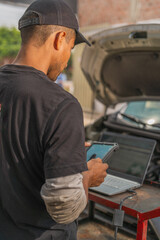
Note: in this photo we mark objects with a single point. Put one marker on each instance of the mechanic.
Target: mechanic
(44, 178)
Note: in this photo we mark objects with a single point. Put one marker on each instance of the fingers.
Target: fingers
(98, 171)
(87, 144)
(96, 161)
(93, 162)
(99, 160)
(106, 166)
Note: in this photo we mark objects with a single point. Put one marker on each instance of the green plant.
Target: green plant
(9, 42)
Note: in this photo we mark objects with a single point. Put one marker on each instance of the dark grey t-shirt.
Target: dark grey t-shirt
(41, 136)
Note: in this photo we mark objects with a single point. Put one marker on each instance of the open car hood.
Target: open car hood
(123, 64)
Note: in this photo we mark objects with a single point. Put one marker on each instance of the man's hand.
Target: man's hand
(96, 171)
(87, 144)
(95, 174)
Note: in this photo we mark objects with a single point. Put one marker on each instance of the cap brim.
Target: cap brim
(81, 39)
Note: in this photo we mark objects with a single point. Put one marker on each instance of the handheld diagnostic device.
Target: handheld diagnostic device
(102, 150)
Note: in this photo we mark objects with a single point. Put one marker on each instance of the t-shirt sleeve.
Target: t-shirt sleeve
(64, 141)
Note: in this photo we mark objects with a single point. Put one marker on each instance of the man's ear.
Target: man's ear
(59, 40)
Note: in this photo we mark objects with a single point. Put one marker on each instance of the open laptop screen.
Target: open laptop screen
(133, 155)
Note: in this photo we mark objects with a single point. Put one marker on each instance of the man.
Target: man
(44, 178)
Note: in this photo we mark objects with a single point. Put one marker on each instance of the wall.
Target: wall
(149, 9)
(93, 12)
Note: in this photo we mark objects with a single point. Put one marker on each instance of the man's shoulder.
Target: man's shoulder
(50, 91)
(47, 93)
(29, 84)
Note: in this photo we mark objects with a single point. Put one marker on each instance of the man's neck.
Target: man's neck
(33, 57)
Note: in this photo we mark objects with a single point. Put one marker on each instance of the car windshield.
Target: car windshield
(146, 111)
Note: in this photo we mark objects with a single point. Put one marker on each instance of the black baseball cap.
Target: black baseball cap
(52, 12)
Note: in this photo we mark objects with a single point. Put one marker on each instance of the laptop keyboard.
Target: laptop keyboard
(117, 182)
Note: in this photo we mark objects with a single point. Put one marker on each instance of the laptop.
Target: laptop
(128, 165)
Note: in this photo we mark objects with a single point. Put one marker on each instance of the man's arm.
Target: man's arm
(64, 191)
(66, 197)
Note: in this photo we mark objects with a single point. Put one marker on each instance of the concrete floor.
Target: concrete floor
(92, 230)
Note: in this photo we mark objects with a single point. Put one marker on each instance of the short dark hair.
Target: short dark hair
(41, 32)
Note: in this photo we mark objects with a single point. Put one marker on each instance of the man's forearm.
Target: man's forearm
(86, 182)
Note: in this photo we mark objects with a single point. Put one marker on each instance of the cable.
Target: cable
(115, 233)
(128, 197)
(119, 214)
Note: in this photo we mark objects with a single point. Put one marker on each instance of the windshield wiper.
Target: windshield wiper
(156, 125)
(134, 119)
(137, 120)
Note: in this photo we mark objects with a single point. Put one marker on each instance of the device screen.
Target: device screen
(98, 151)
(133, 155)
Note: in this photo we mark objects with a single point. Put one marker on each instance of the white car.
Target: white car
(123, 69)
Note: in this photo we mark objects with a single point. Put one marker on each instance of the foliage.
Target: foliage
(9, 42)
